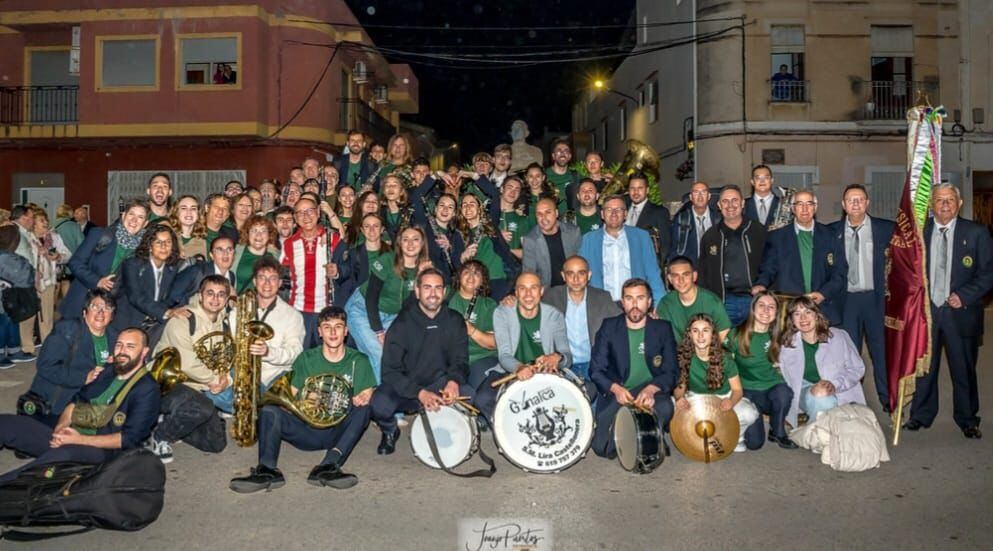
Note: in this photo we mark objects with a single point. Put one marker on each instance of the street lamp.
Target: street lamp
(600, 85)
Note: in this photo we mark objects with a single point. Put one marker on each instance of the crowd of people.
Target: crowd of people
(422, 288)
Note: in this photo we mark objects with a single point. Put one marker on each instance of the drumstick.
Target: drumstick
(469, 407)
(503, 380)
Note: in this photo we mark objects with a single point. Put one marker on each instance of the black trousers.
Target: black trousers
(962, 353)
(31, 436)
(386, 403)
(863, 318)
(606, 410)
(191, 417)
(477, 371)
(277, 425)
(774, 402)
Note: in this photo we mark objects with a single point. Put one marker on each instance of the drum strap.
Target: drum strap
(429, 434)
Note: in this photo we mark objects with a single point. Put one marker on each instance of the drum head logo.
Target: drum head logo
(30, 408)
(544, 428)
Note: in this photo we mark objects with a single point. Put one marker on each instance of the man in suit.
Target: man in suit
(530, 337)
(634, 363)
(643, 214)
(75, 349)
(865, 239)
(692, 221)
(354, 167)
(584, 307)
(548, 244)
(763, 205)
(617, 252)
(221, 260)
(805, 258)
(68, 442)
(960, 272)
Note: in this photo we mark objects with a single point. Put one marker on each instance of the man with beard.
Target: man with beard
(354, 166)
(127, 391)
(425, 359)
(559, 174)
(233, 189)
(217, 208)
(633, 363)
(159, 192)
(587, 216)
(648, 216)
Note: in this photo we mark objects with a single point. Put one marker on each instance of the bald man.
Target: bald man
(549, 243)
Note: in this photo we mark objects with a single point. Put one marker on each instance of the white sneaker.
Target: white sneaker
(402, 422)
(740, 447)
(160, 448)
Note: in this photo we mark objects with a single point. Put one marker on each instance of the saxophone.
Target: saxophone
(784, 215)
(247, 370)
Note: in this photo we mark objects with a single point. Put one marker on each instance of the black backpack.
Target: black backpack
(20, 303)
(125, 493)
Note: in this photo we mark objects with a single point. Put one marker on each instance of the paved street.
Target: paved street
(936, 493)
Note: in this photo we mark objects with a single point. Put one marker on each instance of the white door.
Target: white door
(48, 198)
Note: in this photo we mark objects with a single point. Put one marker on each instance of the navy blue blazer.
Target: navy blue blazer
(136, 300)
(187, 282)
(140, 408)
(64, 361)
(752, 211)
(344, 165)
(972, 271)
(91, 261)
(610, 360)
(882, 232)
(781, 270)
(684, 238)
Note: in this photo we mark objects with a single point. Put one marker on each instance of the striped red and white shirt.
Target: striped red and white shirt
(307, 260)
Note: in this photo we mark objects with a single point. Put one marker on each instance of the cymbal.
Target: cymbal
(704, 432)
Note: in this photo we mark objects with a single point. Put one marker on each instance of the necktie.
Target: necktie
(854, 276)
(158, 282)
(939, 293)
(763, 210)
(699, 232)
(633, 217)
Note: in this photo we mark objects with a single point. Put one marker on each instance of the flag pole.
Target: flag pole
(898, 415)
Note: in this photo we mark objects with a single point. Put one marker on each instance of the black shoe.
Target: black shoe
(784, 442)
(388, 444)
(972, 432)
(886, 406)
(331, 475)
(914, 425)
(21, 455)
(262, 478)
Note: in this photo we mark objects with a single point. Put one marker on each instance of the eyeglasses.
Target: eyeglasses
(306, 212)
(258, 231)
(98, 308)
(161, 243)
(855, 200)
(222, 250)
(805, 204)
(216, 294)
(615, 210)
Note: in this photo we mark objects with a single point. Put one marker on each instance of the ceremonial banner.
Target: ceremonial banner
(908, 315)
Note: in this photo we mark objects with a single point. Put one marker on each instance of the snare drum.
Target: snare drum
(544, 424)
(455, 434)
(638, 440)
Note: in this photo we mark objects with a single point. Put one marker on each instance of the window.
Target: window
(127, 184)
(210, 61)
(653, 101)
(787, 82)
(797, 177)
(892, 62)
(885, 186)
(603, 131)
(622, 115)
(127, 63)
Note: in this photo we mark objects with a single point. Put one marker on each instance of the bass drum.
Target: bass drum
(455, 435)
(638, 440)
(544, 424)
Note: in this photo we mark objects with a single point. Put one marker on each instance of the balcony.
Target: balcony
(356, 114)
(789, 91)
(39, 105)
(890, 99)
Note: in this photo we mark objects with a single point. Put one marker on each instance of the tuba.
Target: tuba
(784, 215)
(323, 401)
(640, 157)
(166, 370)
(247, 370)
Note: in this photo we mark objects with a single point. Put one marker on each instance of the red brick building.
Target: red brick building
(94, 95)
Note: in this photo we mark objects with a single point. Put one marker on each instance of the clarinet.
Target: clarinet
(472, 305)
(327, 240)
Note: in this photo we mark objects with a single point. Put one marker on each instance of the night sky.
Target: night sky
(475, 106)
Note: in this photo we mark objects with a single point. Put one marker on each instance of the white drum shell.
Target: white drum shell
(455, 434)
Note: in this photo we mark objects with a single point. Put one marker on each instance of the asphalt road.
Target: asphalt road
(936, 493)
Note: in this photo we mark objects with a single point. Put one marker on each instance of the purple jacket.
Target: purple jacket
(838, 361)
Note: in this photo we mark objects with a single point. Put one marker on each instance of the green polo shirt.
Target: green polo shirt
(755, 370)
(698, 376)
(529, 346)
(638, 373)
(354, 366)
(517, 224)
(672, 310)
(805, 243)
(588, 223)
(481, 317)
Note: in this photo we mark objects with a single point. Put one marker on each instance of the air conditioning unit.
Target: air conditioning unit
(381, 94)
(360, 75)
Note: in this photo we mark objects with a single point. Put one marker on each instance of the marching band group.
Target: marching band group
(383, 289)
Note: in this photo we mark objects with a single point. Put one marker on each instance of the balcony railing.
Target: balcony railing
(356, 114)
(789, 91)
(21, 105)
(890, 99)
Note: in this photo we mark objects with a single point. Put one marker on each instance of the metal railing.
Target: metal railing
(356, 114)
(789, 91)
(890, 99)
(21, 105)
